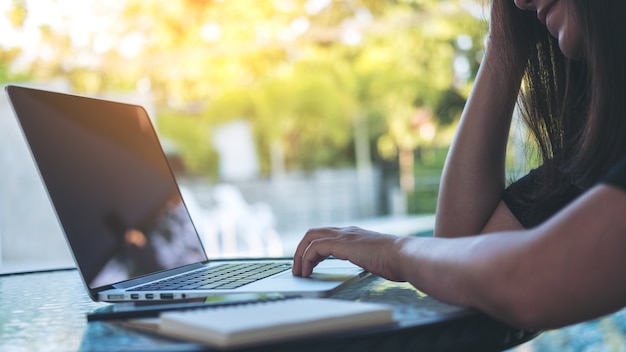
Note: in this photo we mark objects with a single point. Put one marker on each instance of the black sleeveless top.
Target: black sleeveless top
(526, 213)
(617, 175)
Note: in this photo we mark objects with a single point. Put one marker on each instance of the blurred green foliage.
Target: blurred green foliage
(309, 75)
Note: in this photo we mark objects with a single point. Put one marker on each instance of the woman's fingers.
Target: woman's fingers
(306, 241)
(309, 252)
(361, 247)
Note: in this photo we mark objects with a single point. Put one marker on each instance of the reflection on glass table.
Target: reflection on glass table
(47, 311)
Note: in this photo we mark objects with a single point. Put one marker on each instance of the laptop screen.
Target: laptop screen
(111, 186)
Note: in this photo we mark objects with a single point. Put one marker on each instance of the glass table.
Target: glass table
(46, 311)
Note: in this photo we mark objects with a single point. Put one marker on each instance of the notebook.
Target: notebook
(260, 323)
(122, 213)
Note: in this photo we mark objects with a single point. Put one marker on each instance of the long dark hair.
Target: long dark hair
(574, 109)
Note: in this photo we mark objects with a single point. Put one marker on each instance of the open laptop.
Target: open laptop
(122, 213)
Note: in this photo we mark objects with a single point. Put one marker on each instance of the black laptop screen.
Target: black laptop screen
(110, 184)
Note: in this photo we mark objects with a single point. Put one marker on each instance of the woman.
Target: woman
(549, 250)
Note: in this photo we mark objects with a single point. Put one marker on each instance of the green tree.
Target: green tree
(313, 77)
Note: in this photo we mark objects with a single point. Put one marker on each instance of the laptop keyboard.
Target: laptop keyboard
(224, 276)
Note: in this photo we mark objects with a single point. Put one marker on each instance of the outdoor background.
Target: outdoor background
(276, 115)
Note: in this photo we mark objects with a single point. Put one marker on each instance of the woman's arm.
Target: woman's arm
(474, 175)
(567, 270)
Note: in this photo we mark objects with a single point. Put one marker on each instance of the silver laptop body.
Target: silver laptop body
(121, 209)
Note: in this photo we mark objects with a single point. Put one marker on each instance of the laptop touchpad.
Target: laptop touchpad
(327, 274)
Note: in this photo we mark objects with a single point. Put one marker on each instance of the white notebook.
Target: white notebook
(264, 322)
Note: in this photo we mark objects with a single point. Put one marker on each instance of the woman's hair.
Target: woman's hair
(574, 109)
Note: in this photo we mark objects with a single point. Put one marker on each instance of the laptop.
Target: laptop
(122, 213)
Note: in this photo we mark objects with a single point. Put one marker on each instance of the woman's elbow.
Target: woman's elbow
(527, 318)
(525, 312)
(513, 299)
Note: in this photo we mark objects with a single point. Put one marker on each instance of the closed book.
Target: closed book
(271, 321)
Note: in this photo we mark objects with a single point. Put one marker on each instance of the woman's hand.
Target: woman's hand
(370, 250)
(512, 33)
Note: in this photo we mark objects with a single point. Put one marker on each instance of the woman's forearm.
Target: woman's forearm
(473, 175)
(463, 271)
(568, 270)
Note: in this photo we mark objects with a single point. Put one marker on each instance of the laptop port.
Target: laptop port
(149, 295)
(134, 296)
(167, 296)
